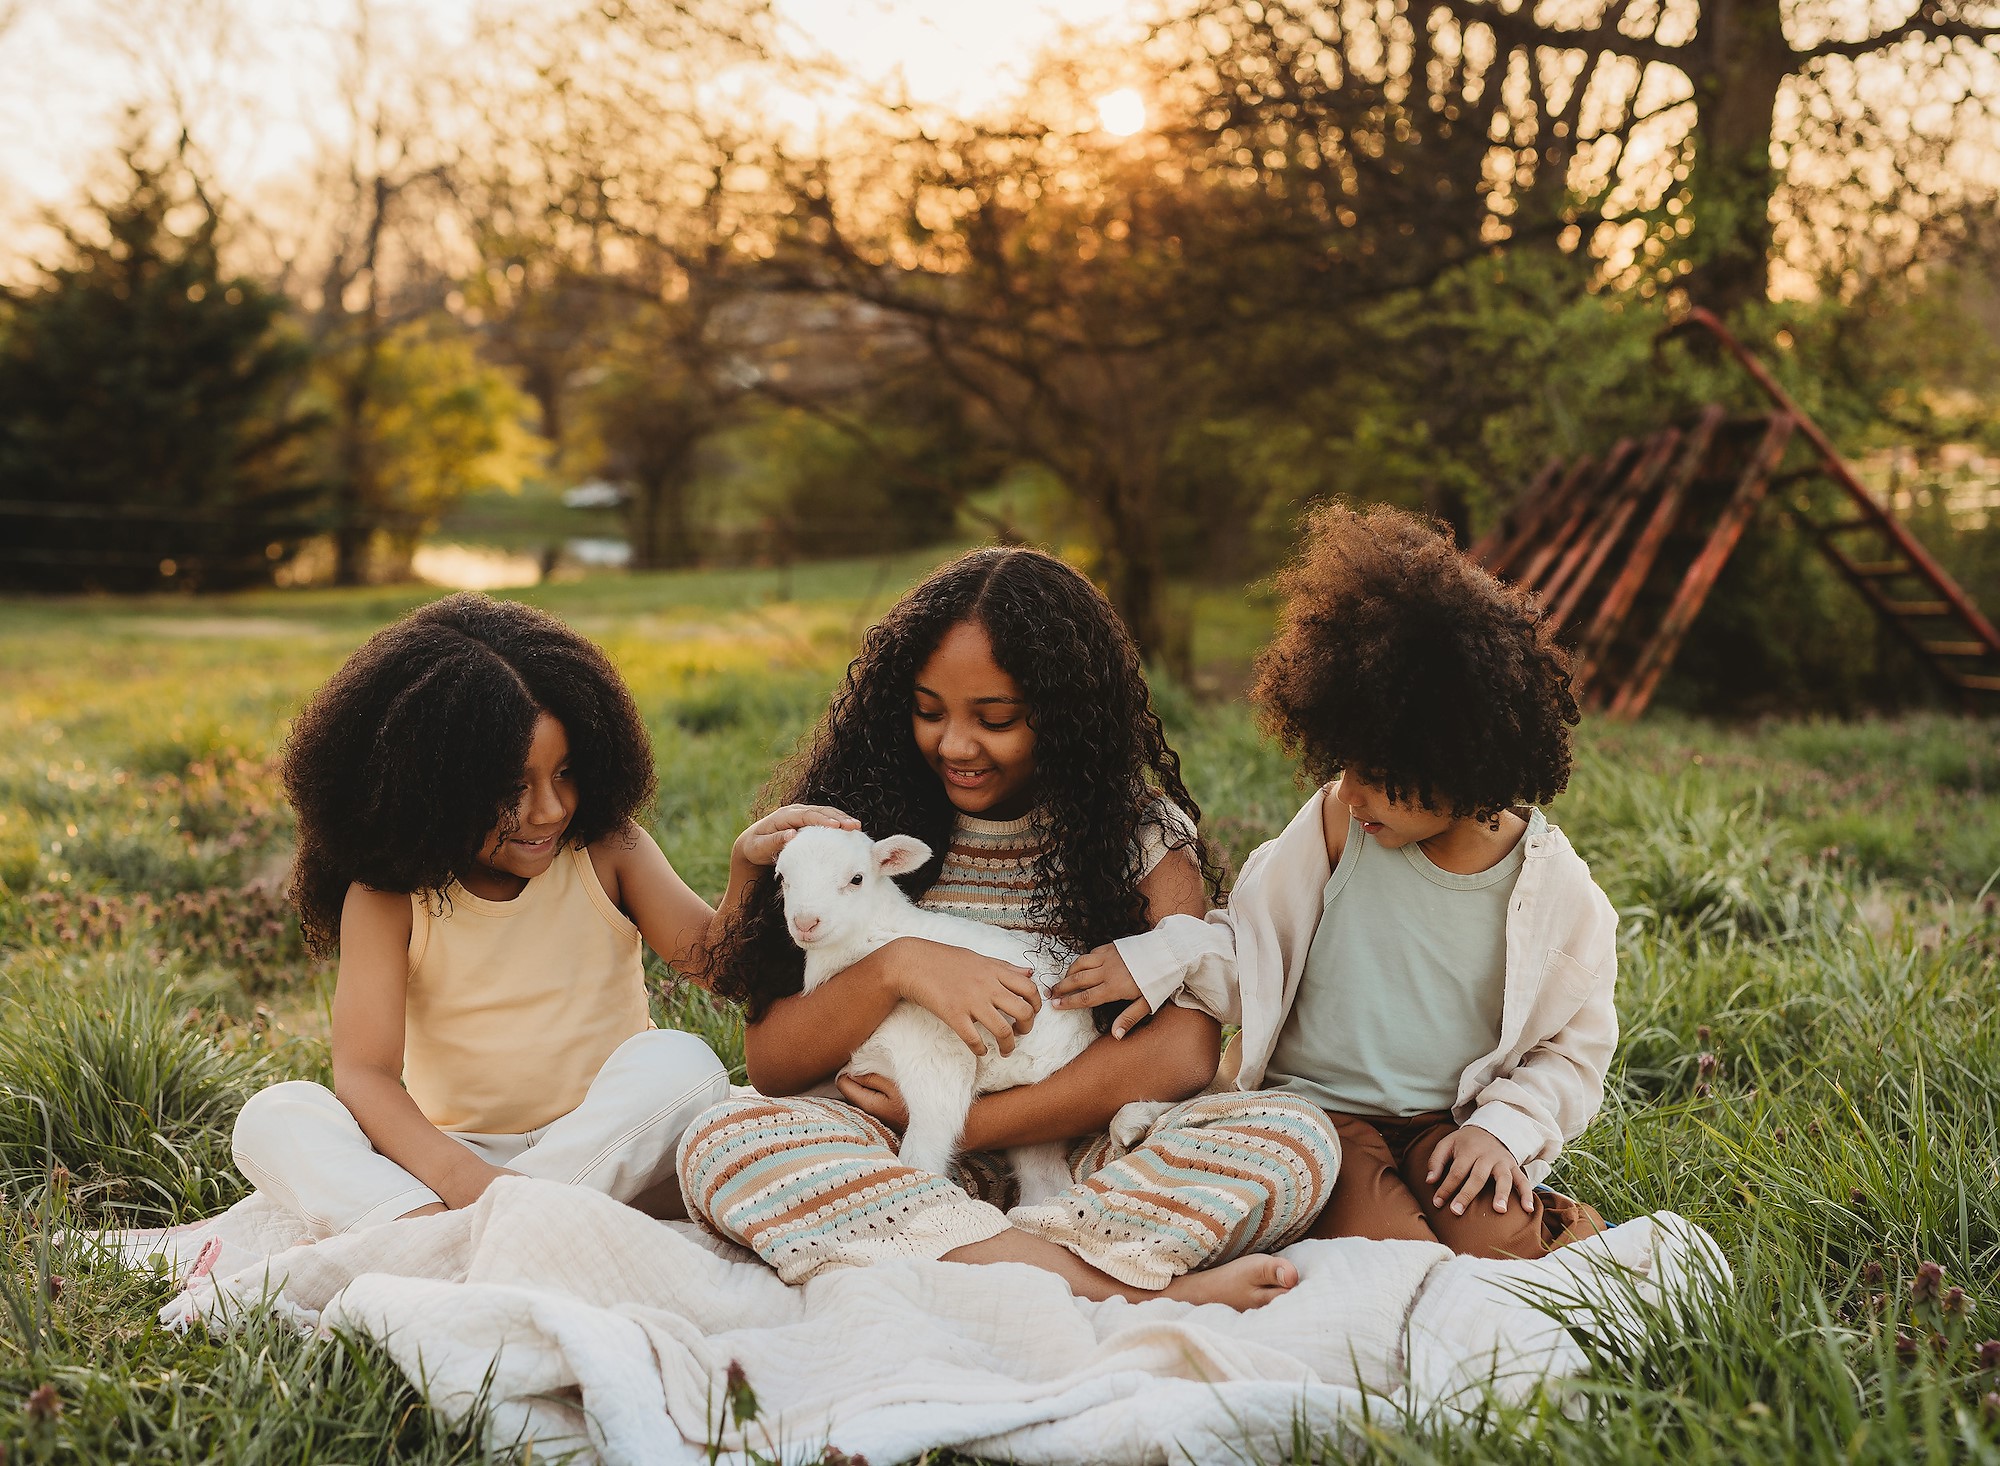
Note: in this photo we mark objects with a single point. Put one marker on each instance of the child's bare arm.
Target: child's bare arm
(368, 999)
(637, 876)
(675, 922)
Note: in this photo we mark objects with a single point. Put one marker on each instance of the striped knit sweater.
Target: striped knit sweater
(989, 866)
(989, 871)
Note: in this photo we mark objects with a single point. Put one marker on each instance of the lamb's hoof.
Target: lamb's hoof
(1134, 1122)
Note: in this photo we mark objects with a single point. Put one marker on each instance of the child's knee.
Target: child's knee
(269, 1127)
(673, 1067)
(1483, 1232)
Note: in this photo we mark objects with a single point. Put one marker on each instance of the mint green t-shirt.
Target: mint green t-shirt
(1403, 983)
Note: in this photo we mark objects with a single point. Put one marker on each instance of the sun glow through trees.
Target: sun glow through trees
(1123, 112)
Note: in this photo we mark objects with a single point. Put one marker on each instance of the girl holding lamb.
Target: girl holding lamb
(1000, 715)
(1420, 953)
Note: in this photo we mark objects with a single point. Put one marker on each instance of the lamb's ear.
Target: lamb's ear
(900, 854)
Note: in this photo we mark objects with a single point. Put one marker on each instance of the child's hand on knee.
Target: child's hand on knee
(1101, 976)
(1469, 1159)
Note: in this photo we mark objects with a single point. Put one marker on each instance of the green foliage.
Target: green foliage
(433, 422)
(147, 435)
(1681, 859)
(645, 409)
(885, 473)
(139, 1094)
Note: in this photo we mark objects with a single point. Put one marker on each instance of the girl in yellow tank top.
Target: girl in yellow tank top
(466, 787)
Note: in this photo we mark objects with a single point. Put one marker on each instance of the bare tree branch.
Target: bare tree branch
(1930, 23)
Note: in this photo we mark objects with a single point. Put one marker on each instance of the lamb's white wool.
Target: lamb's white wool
(841, 903)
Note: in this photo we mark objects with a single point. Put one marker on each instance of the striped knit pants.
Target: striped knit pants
(810, 1184)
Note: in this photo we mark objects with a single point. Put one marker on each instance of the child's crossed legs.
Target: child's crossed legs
(1383, 1192)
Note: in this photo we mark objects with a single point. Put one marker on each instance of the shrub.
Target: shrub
(1673, 856)
(139, 1095)
(251, 930)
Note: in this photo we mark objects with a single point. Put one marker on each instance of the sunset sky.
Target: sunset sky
(68, 68)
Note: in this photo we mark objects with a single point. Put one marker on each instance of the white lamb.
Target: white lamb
(840, 905)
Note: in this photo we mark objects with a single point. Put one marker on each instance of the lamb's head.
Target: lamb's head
(837, 882)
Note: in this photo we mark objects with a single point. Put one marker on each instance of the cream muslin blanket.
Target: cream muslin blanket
(581, 1325)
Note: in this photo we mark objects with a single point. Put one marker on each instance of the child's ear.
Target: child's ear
(900, 854)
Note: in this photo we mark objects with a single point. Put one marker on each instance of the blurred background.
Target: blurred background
(498, 292)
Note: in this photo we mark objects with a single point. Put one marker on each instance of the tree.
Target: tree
(1035, 267)
(435, 423)
(368, 248)
(1100, 298)
(1676, 137)
(612, 216)
(646, 411)
(148, 428)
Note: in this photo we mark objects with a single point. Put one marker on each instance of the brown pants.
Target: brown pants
(1381, 1193)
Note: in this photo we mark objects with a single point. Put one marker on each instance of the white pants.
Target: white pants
(298, 1144)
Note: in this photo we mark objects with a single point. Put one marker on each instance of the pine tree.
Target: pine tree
(147, 432)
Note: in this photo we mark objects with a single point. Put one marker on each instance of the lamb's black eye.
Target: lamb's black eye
(855, 879)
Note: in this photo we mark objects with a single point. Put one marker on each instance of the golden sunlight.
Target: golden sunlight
(1123, 112)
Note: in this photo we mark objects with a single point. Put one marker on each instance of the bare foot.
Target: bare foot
(1249, 1282)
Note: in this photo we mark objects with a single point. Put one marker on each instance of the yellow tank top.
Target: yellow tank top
(515, 1005)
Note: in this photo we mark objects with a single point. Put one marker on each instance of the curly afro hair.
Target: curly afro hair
(1400, 659)
(1101, 758)
(402, 765)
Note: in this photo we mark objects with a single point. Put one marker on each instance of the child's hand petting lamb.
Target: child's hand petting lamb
(762, 842)
(1100, 976)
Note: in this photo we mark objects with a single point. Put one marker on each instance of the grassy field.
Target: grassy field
(1810, 1067)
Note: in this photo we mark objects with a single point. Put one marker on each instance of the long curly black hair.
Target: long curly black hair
(1400, 659)
(1101, 759)
(411, 755)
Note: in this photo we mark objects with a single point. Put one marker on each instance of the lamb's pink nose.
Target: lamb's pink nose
(805, 926)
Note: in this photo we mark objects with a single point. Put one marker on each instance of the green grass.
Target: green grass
(1810, 1065)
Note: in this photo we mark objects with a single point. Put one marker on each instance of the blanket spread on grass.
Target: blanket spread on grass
(581, 1325)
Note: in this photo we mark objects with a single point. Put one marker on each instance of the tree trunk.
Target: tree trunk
(659, 523)
(354, 495)
(1133, 572)
(1745, 60)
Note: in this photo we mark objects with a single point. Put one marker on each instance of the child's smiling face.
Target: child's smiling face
(542, 811)
(1389, 822)
(970, 719)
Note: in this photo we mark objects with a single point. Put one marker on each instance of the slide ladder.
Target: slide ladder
(1623, 549)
